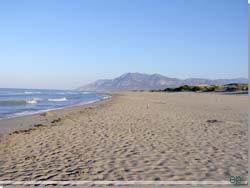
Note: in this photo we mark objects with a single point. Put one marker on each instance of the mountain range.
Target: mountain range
(139, 81)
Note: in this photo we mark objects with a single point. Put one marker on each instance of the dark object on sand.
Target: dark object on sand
(213, 121)
(39, 125)
(56, 120)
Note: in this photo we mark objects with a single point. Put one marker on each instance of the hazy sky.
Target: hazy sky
(65, 44)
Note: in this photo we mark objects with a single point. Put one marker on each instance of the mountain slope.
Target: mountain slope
(139, 81)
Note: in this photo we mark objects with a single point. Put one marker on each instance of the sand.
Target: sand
(133, 136)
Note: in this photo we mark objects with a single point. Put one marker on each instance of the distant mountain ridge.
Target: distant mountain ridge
(139, 81)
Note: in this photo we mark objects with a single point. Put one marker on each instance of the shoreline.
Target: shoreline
(24, 122)
(54, 109)
(21, 102)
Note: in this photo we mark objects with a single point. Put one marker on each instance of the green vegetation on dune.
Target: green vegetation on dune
(212, 88)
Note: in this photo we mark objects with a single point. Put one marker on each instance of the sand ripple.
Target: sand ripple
(180, 136)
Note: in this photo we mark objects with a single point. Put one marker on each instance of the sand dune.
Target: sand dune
(133, 136)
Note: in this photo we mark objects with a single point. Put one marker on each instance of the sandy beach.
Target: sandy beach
(133, 136)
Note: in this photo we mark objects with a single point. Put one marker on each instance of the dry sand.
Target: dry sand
(133, 136)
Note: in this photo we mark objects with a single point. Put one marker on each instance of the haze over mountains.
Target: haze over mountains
(139, 81)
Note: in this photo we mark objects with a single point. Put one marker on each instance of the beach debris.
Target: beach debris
(147, 106)
(39, 125)
(27, 131)
(56, 120)
(157, 179)
(213, 121)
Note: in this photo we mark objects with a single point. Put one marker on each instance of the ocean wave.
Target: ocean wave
(25, 104)
(32, 112)
(86, 92)
(67, 93)
(71, 93)
(9, 94)
(61, 93)
(32, 92)
(106, 97)
(24, 113)
(19, 102)
(14, 102)
(58, 99)
(32, 101)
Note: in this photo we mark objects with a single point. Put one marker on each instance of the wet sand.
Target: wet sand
(133, 136)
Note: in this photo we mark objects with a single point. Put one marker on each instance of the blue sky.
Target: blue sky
(65, 44)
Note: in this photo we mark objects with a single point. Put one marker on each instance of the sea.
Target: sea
(21, 102)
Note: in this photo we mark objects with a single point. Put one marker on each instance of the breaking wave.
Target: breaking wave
(19, 102)
(58, 100)
(31, 92)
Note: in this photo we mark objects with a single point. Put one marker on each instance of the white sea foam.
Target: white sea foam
(86, 92)
(25, 113)
(71, 93)
(22, 113)
(67, 93)
(58, 100)
(33, 101)
(30, 92)
(106, 97)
